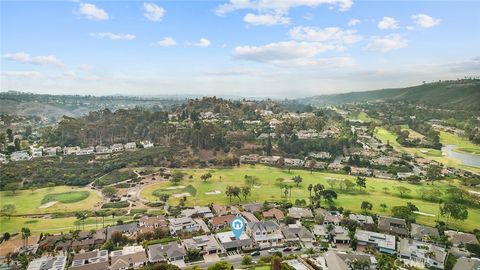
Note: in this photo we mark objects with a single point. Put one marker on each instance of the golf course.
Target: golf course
(268, 184)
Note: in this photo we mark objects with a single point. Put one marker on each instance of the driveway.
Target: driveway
(211, 258)
(202, 224)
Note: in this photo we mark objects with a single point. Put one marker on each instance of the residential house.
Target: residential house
(335, 260)
(422, 232)
(252, 158)
(271, 160)
(461, 238)
(467, 264)
(340, 235)
(335, 166)
(274, 213)
(321, 233)
(20, 156)
(117, 147)
(414, 252)
(320, 155)
(221, 222)
(404, 175)
(91, 260)
(149, 224)
(130, 146)
(362, 220)
(37, 152)
(146, 144)
(197, 211)
(294, 233)
(101, 149)
(360, 171)
(393, 225)
(307, 134)
(229, 242)
(86, 151)
(70, 150)
(329, 217)
(128, 228)
(300, 213)
(51, 151)
(171, 252)
(221, 210)
(382, 174)
(383, 242)
(183, 224)
(206, 244)
(48, 263)
(252, 207)
(3, 158)
(128, 257)
(249, 216)
(292, 162)
(265, 232)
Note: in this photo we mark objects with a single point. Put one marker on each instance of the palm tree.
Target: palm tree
(310, 187)
(25, 234)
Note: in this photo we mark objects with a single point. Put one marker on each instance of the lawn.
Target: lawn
(69, 199)
(386, 136)
(267, 188)
(412, 133)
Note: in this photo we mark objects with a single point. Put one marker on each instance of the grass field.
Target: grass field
(69, 199)
(267, 188)
(386, 136)
(115, 177)
(412, 133)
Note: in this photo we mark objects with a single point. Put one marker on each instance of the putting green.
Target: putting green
(41, 201)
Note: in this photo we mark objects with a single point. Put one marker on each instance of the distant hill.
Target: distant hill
(21, 103)
(463, 94)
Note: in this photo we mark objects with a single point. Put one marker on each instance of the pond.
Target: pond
(465, 158)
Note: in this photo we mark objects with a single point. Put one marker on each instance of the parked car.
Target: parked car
(287, 249)
(273, 250)
(255, 253)
(297, 249)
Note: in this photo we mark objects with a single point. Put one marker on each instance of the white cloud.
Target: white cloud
(23, 57)
(332, 35)
(167, 42)
(388, 23)
(112, 36)
(21, 74)
(288, 53)
(353, 22)
(278, 5)
(90, 11)
(266, 19)
(203, 42)
(153, 12)
(425, 21)
(387, 43)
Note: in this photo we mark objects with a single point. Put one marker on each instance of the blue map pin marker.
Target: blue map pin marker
(237, 225)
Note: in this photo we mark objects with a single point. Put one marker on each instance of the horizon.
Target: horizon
(277, 50)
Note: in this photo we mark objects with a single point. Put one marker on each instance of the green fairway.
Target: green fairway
(387, 137)
(463, 144)
(268, 188)
(61, 199)
(55, 225)
(66, 197)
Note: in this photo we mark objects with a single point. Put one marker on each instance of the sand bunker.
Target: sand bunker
(216, 192)
(180, 195)
(424, 214)
(257, 186)
(47, 205)
(175, 187)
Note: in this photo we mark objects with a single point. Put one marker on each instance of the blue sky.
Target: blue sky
(261, 48)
